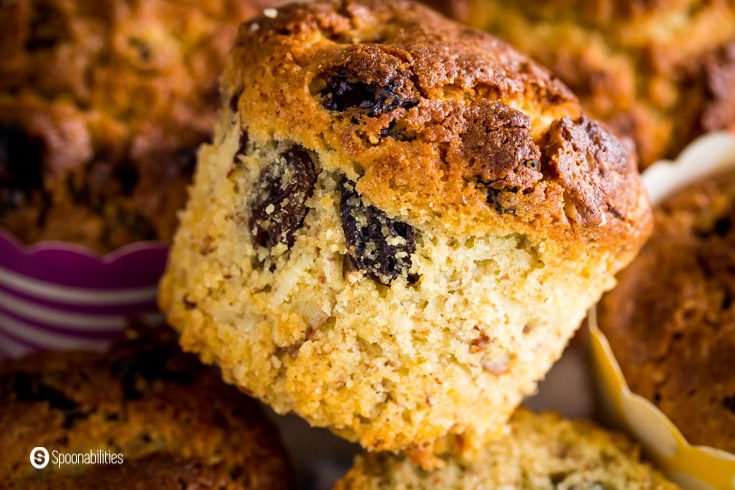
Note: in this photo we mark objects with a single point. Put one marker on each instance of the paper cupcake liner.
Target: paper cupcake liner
(58, 295)
(693, 467)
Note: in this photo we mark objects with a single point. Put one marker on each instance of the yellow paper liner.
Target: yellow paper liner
(695, 467)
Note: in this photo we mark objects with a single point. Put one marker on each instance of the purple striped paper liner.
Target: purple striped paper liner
(58, 295)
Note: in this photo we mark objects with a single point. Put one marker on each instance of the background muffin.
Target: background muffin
(399, 225)
(671, 319)
(536, 451)
(102, 107)
(175, 423)
(660, 72)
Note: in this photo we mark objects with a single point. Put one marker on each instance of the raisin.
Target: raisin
(142, 47)
(720, 228)
(723, 226)
(558, 477)
(378, 245)
(726, 304)
(21, 159)
(28, 387)
(127, 175)
(47, 28)
(145, 366)
(278, 205)
(122, 222)
(729, 403)
(235, 100)
(498, 198)
(397, 132)
(183, 160)
(343, 91)
(243, 146)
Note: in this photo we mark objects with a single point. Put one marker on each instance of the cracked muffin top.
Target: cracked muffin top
(175, 423)
(671, 319)
(440, 122)
(103, 105)
(660, 72)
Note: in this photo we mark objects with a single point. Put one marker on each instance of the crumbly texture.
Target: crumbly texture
(174, 421)
(660, 72)
(399, 225)
(535, 452)
(671, 319)
(103, 105)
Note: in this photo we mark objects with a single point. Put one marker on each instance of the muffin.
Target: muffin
(399, 225)
(671, 319)
(536, 451)
(103, 105)
(659, 72)
(171, 420)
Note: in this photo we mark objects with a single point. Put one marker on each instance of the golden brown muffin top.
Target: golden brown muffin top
(441, 123)
(536, 451)
(658, 71)
(103, 105)
(671, 319)
(173, 420)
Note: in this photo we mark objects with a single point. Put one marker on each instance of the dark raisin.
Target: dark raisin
(121, 222)
(343, 91)
(723, 226)
(729, 403)
(127, 175)
(720, 228)
(397, 132)
(184, 160)
(142, 47)
(236, 473)
(145, 366)
(234, 100)
(28, 387)
(378, 245)
(726, 304)
(189, 304)
(278, 205)
(558, 477)
(244, 140)
(219, 419)
(496, 199)
(72, 417)
(21, 160)
(129, 370)
(48, 26)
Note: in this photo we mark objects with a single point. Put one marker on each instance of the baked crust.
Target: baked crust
(174, 421)
(470, 123)
(103, 105)
(535, 451)
(659, 72)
